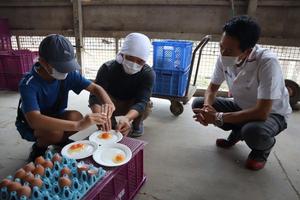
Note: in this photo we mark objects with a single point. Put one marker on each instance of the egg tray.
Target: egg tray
(81, 182)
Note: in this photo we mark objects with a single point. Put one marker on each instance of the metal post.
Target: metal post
(78, 27)
(117, 45)
(252, 6)
(18, 42)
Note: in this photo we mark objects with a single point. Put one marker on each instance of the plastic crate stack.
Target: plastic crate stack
(13, 63)
(171, 63)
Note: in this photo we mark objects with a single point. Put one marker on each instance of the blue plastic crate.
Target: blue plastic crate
(172, 55)
(171, 83)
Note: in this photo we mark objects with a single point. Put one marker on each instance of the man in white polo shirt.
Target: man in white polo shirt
(260, 104)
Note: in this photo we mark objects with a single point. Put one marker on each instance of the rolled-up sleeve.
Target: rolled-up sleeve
(101, 80)
(218, 75)
(144, 93)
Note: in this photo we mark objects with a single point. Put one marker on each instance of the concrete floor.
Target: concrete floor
(181, 159)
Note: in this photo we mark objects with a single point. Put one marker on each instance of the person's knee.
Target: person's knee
(256, 137)
(72, 115)
(49, 137)
(147, 111)
(198, 102)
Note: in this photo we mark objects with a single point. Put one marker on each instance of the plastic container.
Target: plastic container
(171, 83)
(5, 42)
(125, 181)
(51, 190)
(12, 81)
(17, 62)
(172, 55)
(4, 27)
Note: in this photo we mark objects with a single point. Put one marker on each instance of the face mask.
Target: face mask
(57, 75)
(131, 67)
(229, 61)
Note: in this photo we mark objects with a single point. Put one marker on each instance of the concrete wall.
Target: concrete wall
(180, 19)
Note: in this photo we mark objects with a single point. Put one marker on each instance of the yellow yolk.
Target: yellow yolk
(76, 148)
(105, 136)
(119, 158)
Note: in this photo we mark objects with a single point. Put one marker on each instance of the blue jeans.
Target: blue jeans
(258, 135)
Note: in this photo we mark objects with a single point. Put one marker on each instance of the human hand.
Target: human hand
(90, 119)
(107, 109)
(123, 125)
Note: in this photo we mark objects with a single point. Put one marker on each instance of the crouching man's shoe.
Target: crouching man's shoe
(36, 151)
(224, 143)
(255, 164)
(137, 131)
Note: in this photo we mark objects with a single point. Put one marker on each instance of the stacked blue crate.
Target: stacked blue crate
(171, 63)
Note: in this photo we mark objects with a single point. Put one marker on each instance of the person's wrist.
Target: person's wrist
(219, 121)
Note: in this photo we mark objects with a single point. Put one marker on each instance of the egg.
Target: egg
(39, 170)
(36, 182)
(119, 158)
(82, 167)
(57, 158)
(92, 172)
(20, 173)
(5, 182)
(29, 167)
(64, 171)
(14, 186)
(39, 160)
(105, 136)
(24, 191)
(28, 177)
(48, 163)
(64, 181)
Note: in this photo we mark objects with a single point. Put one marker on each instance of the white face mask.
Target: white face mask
(57, 75)
(131, 67)
(229, 61)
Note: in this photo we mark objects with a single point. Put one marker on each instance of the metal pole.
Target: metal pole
(252, 6)
(18, 42)
(117, 45)
(78, 27)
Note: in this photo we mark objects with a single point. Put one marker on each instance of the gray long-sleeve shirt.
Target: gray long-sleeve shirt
(122, 86)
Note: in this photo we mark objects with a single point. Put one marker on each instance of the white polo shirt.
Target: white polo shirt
(260, 77)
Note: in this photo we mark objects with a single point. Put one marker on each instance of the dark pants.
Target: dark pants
(258, 135)
(123, 107)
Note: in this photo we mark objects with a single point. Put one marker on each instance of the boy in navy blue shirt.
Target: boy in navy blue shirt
(44, 97)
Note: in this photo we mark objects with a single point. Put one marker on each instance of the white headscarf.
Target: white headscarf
(135, 44)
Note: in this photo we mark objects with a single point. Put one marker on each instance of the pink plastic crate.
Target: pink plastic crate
(123, 182)
(18, 62)
(2, 81)
(4, 27)
(5, 42)
(12, 81)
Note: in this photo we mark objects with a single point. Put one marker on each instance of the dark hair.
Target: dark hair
(245, 29)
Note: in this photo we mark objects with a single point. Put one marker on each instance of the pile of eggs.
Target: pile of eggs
(52, 177)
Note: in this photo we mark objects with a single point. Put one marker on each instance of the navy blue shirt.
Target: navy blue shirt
(38, 94)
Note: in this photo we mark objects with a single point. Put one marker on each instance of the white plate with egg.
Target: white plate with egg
(80, 149)
(106, 137)
(112, 155)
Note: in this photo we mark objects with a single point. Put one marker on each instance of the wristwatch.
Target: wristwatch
(219, 119)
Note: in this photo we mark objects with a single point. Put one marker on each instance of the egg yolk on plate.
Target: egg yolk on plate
(76, 148)
(105, 136)
(119, 158)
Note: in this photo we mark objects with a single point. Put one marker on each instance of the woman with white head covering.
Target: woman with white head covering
(129, 82)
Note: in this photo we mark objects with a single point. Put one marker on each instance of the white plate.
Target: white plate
(105, 154)
(116, 137)
(88, 150)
